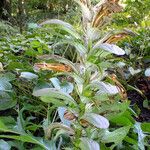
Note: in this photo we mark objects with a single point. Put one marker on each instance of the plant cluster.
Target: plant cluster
(59, 86)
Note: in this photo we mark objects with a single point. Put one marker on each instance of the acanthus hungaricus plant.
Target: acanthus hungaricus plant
(78, 102)
(93, 109)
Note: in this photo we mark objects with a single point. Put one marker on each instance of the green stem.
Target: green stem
(48, 113)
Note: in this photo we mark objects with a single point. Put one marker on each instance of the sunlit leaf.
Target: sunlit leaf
(54, 93)
(61, 112)
(121, 120)
(28, 75)
(64, 26)
(96, 120)
(77, 78)
(133, 71)
(64, 86)
(105, 88)
(59, 22)
(8, 120)
(110, 48)
(147, 72)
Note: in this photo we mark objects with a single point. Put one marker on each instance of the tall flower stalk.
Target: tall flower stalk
(90, 105)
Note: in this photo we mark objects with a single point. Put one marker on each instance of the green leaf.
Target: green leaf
(103, 147)
(54, 93)
(4, 145)
(35, 44)
(133, 71)
(50, 145)
(121, 120)
(104, 88)
(5, 85)
(13, 65)
(3, 127)
(6, 101)
(7, 76)
(61, 112)
(28, 75)
(42, 84)
(65, 87)
(93, 33)
(77, 78)
(131, 140)
(79, 47)
(116, 136)
(58, 22)
(55, 101)
(115, 110)
(96, 120)
(145, 127)
(88, 144)
(10, 121)
(32, 25)
(110, 48)
(63, 25)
